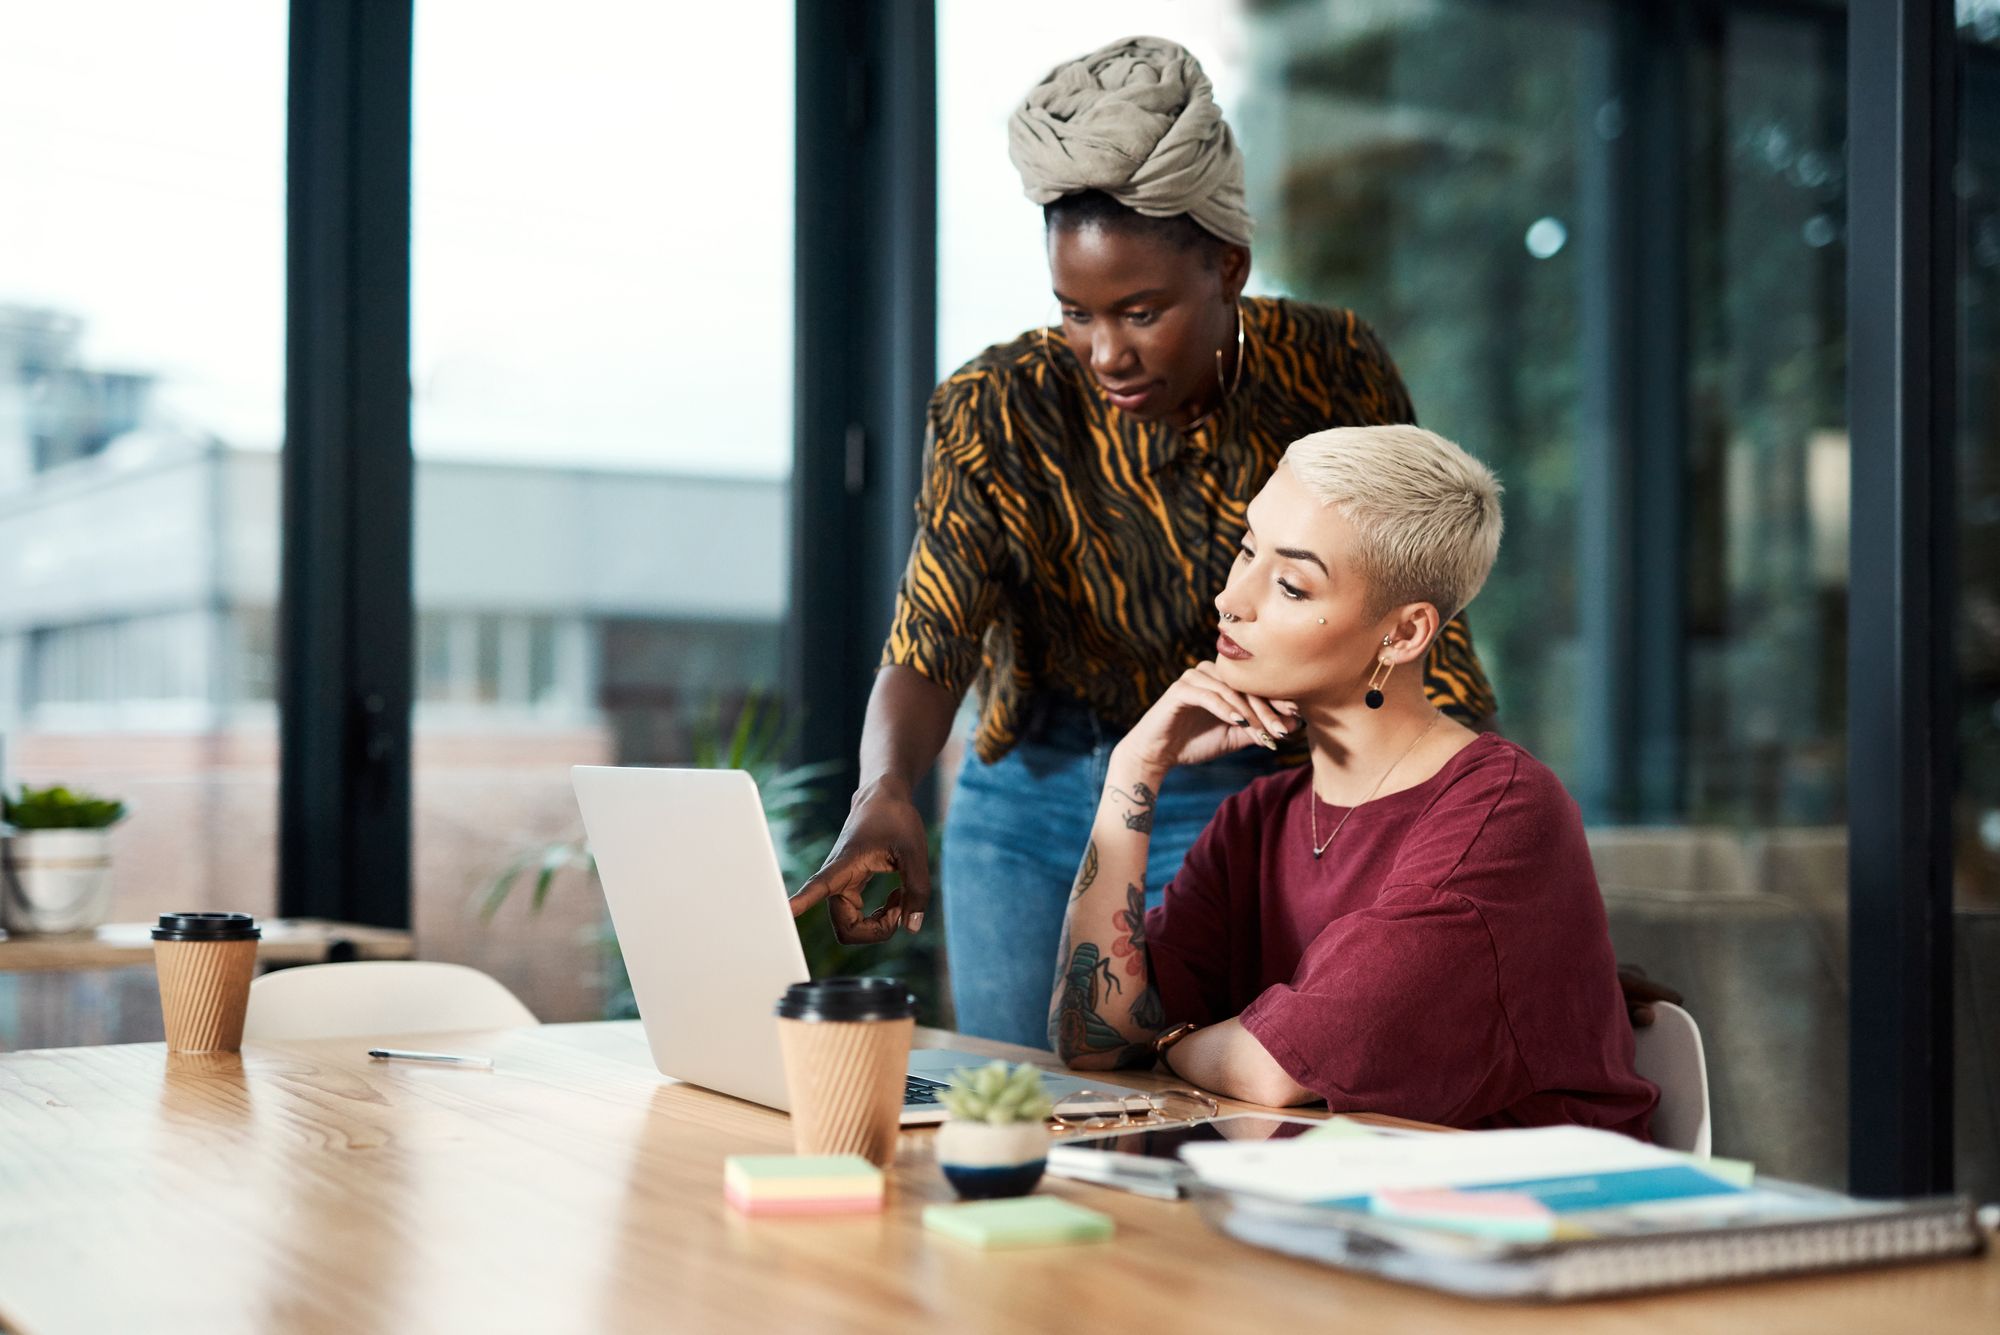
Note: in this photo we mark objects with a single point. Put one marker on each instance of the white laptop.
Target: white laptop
(699, 908)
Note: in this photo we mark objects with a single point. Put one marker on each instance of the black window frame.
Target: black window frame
(345, 610)
(1902, 683)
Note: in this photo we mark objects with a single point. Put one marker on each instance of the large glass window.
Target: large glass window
(142, 153)
(602, 359)
(1470, 179)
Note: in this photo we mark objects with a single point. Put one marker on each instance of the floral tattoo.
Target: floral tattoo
(1076, 1023)
(1132, 921)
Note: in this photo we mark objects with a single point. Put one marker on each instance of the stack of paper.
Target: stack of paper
(1552, 1212)
(1568, 1170)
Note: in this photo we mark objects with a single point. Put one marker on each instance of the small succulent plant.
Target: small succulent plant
(998, 1095)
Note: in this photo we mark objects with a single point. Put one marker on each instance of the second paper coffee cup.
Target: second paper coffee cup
(205, 962)
(846, 1043)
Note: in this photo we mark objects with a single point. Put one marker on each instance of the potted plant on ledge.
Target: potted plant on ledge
(55, 859)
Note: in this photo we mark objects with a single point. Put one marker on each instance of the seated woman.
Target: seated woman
(1410, 923)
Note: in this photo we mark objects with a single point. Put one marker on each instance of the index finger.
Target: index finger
(830, 879)
(847, 872)
(1255, 708)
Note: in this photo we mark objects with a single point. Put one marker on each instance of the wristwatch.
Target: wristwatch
(1173, 1036)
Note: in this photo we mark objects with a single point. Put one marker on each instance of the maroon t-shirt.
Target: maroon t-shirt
(1446, 960)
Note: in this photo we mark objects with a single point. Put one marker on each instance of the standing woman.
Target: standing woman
(1082, 504)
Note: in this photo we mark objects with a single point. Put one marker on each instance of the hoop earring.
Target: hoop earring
(1225, 391)
(1228, 390)
(1383, 667)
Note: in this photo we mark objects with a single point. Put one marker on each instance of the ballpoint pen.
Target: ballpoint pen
(443, 1058)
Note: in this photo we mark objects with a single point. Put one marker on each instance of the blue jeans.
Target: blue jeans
(1013, 838)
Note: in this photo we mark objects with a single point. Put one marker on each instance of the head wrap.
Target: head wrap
(1136, 119)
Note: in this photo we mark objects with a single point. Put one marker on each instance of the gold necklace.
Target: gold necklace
(1313, 797)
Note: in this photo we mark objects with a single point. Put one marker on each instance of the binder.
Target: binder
(1777, 1229)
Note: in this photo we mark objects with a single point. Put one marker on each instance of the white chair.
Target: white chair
(379, 997)
(1668, 1053)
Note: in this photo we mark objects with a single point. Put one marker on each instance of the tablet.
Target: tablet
(1147, 1159)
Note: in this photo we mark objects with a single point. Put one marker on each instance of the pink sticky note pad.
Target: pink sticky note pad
(804, 1206)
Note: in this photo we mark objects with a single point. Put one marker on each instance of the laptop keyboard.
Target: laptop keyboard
(919, 1092)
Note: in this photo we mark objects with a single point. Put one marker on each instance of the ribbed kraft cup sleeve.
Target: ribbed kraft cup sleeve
(846, 1084)
(204, 991)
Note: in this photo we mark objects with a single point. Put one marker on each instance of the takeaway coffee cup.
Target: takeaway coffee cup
(847, 1048)
(205, 961)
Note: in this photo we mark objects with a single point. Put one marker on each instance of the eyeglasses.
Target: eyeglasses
(1096, 1110)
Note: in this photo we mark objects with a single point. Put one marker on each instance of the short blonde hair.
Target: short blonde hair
(1426, 512)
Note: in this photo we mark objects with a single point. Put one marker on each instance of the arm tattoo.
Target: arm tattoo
(1147, 1011)
(1143, 799)
(1088, 981)
(1087, 873)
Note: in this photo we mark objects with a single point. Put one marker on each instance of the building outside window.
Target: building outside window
(601, 352)
(141, 348)
(600, 485)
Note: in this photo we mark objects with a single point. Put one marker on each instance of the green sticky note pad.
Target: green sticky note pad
(1024, 1221)
(762, 1168)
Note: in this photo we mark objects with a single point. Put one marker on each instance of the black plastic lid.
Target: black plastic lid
(207, 927)
(842, 999)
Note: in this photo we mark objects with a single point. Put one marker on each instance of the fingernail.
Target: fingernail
(1242, 722)
(916, 922)
(1280, 729)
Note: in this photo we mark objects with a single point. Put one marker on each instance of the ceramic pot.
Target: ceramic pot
(985, 1159)
(55, 880)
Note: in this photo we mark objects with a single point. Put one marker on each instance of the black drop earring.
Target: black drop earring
(1375, 683)
(1374, 696)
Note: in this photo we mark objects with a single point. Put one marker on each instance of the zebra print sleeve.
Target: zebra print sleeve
(950, 588)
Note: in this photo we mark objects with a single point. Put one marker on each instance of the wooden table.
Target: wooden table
(130, 944)
(305, 1188)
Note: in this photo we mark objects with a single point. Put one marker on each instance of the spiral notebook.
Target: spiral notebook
(1624, 1217)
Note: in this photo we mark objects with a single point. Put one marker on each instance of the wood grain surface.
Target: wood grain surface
(302, 1187)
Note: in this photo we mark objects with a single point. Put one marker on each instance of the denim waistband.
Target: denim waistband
(1067, 724)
